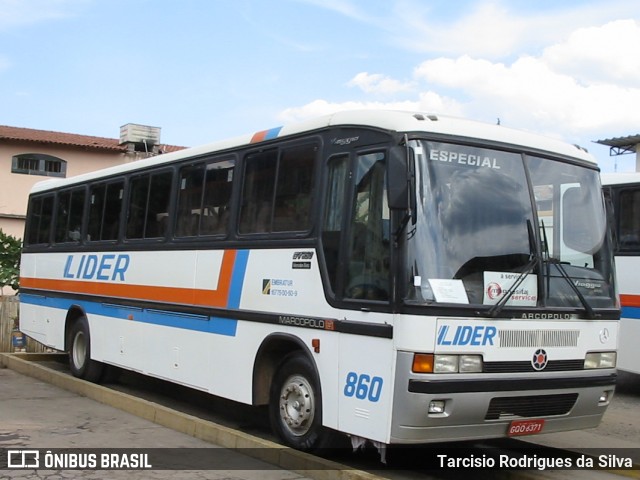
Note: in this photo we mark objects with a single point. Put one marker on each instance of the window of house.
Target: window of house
(39, 164)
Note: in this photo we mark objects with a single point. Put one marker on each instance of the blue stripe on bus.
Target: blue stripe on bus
(237, 278)
(214, 325)
(630, 312)
(272, 133)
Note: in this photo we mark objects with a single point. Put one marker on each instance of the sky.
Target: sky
(206, 70)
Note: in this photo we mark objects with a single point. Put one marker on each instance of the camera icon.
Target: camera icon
(23, 459)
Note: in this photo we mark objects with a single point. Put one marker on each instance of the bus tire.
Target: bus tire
(80, 362)
(295, 406)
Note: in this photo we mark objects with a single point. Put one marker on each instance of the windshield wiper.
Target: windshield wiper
(528, 268)
(591, 314)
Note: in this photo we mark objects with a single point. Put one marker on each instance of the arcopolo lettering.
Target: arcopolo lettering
(105, 267)
(467, 335)
(463, 159)
(301, 321)
(547, 316)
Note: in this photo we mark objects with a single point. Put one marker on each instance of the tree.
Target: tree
(10, 249)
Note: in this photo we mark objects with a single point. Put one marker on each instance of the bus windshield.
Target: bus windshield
(496, 227)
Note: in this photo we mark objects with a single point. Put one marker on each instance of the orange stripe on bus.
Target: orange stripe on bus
(630, 300)
(258, 136)
(190, 296)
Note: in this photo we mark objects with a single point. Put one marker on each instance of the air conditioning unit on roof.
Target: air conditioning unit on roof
(139, 134)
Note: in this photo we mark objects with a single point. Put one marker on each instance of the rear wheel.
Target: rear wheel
(296, 404)
(80, 361)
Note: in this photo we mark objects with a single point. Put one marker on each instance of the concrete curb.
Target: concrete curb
(265, 450)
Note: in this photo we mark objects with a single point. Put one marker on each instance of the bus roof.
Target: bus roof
(619, 178)
(396, 121)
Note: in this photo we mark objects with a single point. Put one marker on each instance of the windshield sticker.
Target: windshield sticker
(460, 158)
(497, 284)
(448, 291)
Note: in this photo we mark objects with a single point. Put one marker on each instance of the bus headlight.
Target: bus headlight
(430, 363)
(470, 364)
(457, 364)
(445, 364)
(600, 360)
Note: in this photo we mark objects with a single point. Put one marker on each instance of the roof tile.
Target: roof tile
(69, 139)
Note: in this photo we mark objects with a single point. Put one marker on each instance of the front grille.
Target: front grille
(538, 338)
(526, 367)
(533, 406)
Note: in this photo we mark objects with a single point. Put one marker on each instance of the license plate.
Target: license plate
(525, 427)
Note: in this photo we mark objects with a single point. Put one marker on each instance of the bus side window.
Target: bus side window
(203, 198)
(189, 200)
(96, 209)
(63, 207)
(149, 205)
(294, 189)
(112, 210)
(41, 216)
(70, 209)
(105, 205)
(278, 189)
(216, 197)
(629, 223)
(338, 174)
(368, 255)
(257, 195)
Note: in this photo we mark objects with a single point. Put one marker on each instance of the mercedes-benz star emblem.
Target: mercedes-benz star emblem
(539, 360)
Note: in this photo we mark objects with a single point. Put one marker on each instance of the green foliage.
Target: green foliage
(10, 249)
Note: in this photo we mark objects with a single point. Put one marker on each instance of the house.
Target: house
(28, 156)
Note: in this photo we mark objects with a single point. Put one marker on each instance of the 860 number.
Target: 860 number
(363, 386)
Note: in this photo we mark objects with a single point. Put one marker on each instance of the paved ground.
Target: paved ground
(38, 414)
(35, 414)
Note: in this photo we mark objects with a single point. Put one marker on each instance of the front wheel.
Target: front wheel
(295, 404)
(80, 362)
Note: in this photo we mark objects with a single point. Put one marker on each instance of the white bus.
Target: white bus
(397, 277)
(623, 190)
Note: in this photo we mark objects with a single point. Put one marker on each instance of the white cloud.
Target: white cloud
(585, 87)
(323, 107)
(600, 54)
(378, 84)
(589, 83)
(426, 102)
(492, 29)
(488, 30)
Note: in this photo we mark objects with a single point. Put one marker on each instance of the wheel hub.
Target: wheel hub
(79, 350)
(297, 405)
